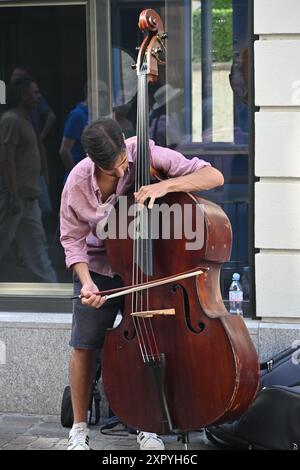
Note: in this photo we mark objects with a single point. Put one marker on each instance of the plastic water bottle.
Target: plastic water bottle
(236, 296)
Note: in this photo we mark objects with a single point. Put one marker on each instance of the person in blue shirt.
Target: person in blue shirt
(71, 150)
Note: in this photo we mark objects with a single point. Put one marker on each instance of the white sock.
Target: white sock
(81, 425)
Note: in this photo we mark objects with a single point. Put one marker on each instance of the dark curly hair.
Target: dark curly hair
(103, 141)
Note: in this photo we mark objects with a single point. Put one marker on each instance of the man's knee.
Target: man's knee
(80, 354)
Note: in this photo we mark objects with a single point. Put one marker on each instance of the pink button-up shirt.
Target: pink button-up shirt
(82, 207)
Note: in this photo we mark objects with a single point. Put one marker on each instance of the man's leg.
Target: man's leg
(9, 224)
(81, 378)
(31, 239)
(88, 332)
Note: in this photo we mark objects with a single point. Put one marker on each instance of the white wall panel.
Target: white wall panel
(277, 215)
(277, 144)
(276, 16)
(277, 73)
(277, 285)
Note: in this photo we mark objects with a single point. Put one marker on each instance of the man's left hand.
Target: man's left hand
(151, 192)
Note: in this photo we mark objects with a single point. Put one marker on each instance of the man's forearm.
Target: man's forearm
(67, 159)
(201, 180)
(204, 179)
(82, 271)
(89, 291)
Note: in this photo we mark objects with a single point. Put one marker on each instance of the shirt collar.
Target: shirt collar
(94, 179)
(130, 159)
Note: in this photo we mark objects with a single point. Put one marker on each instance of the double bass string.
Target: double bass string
(136, 246)
(146, 235)
(148, 241)
(147, 226)
(142, 181)
(140, 245)
(142, 242)
(138, 242)
(135, 258)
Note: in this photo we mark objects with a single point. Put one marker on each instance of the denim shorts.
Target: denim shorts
(89, 324)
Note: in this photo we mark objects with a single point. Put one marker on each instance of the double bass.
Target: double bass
(178, 360)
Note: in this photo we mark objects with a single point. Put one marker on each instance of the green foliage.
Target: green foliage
(222, 4)
(221, 31)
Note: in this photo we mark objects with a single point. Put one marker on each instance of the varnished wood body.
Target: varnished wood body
(211, 363)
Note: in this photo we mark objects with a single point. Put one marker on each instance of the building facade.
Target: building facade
(229, 93)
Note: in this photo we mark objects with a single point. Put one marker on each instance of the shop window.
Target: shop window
(49, 44)
(202, 92)
(200, 104)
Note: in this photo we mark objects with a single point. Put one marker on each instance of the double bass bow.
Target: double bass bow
(177, 361)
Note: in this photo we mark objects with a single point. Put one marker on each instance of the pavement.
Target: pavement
(32, 432)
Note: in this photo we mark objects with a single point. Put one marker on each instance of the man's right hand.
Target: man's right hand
(89, 297)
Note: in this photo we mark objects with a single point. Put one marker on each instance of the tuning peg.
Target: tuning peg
(158, 50)
(164, 36)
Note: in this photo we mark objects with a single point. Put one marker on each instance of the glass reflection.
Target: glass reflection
(199, 106)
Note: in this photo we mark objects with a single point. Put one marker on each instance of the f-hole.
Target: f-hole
(187, 310)
(130, 333)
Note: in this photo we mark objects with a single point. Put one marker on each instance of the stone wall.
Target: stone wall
(34, 358)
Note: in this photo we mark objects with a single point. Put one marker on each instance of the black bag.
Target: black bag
(66, 416)
(282, 369)
(272, 421)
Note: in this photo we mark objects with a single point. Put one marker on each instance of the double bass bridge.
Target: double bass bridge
(153, 313)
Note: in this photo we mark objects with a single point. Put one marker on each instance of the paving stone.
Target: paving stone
(51, 419)
(13, 447)
(20, 419)
(23, 440)
(48, 429)
(14, 428)
(31, 432)
(44, 443)
(6, 438)
(61, 445)
(97, 445)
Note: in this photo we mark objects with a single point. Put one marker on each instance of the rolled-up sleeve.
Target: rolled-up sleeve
(73, 232)
(173, 163)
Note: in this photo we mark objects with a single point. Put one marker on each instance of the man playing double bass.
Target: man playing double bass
(106, 173)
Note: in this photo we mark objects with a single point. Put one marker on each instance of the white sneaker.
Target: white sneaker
(149, 441)
(79, 437)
